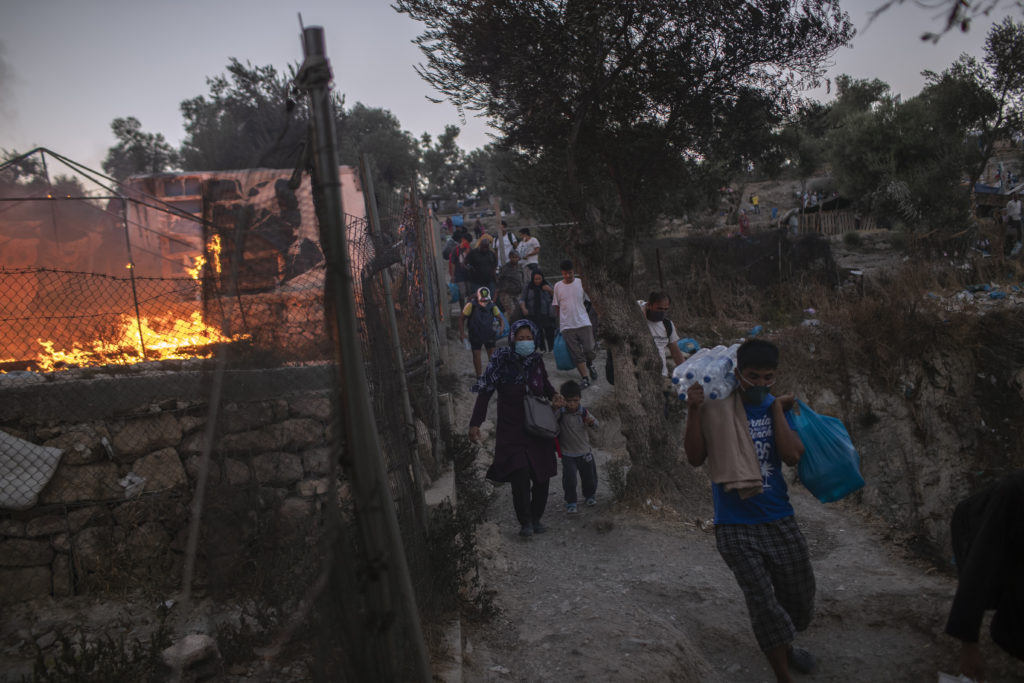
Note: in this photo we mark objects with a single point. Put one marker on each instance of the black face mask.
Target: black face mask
(655, 316)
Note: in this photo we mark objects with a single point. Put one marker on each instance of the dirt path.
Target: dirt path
(642, 595)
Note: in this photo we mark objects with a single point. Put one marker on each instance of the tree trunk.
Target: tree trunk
(653, 443)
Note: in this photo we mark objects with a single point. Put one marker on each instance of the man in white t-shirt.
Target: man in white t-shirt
(662, 330)
(529, 251)
(568, 305)
(1014, 235)
(506, 243)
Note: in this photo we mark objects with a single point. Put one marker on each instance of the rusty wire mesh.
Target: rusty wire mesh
(109, 383)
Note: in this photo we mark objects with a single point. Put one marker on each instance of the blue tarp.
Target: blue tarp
(982, 188)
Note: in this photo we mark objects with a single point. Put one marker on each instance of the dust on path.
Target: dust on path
(615, 594)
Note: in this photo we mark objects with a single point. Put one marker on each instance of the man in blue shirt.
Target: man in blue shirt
(756, 532)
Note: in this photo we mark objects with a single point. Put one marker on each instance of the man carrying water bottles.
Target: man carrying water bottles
(755, 529)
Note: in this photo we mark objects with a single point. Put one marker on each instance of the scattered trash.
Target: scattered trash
(810, 322)
(133, 484)
(755, 330)
(997, 295)
(810, 311)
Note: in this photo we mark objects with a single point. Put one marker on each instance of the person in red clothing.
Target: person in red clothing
(988, 546)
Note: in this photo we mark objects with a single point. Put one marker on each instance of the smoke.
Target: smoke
(6, 86)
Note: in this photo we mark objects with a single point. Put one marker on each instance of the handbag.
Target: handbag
(540, 418)
(830, 465)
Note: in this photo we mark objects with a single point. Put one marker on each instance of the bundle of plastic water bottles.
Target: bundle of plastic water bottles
(713, 368)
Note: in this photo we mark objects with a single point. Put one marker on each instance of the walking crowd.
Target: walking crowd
(742, 441)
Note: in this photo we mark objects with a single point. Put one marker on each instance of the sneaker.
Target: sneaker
(801, 660)
(526, 530)
(593, 372)
(539, 528)
(571, 509)
(584, 383)
(591, 502)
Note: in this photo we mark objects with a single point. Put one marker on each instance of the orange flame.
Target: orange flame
(213, 247)
(181, 338)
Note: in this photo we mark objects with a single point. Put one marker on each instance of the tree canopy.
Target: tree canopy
(611, 107)
(136, 151)
(626, 100)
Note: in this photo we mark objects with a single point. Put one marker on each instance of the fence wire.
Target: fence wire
(105, 402)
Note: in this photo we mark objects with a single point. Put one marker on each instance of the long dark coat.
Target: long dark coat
(514, 447)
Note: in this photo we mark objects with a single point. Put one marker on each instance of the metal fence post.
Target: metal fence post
(376, 519)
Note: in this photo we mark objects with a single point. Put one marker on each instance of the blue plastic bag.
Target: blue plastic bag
(563, 359)
(453, 291)
(830, 466)
(688, 345)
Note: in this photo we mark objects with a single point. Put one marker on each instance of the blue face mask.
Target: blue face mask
(525, 347)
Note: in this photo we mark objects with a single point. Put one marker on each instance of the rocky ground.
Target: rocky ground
(618, 594)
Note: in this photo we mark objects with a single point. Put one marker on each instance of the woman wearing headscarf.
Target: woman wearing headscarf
(535, 303)
(522, 459)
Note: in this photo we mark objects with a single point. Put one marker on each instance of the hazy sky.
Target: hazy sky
(69, 67)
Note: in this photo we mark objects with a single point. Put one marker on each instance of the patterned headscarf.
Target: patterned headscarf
(506, 366)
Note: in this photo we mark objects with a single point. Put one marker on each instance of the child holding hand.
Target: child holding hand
(573, 420)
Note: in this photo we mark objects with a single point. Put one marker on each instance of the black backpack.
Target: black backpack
(482, 323)
(448, 246)
(609, 368)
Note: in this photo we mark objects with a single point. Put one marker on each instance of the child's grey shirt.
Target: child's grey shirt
(572, 432)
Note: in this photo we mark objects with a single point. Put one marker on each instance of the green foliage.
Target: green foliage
(377, 133)
(454, 563)
(442, 160)
(904, 160)
(614, 106)
(104, 660)
(615, 471)
(244, 122)
(137, 152)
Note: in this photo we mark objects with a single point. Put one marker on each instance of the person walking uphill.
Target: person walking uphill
(482, 264)
(568, 304)
(745, 438)
(573, 421)
(535, 303)
(485, 321)
(526, 461)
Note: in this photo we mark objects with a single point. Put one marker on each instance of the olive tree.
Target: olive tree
(615, 106)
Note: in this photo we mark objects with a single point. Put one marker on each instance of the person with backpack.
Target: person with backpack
(482, 264)
(662, 330)
(458, 273)
(485, 321)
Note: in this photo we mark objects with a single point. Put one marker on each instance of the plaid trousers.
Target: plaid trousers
(773, 569)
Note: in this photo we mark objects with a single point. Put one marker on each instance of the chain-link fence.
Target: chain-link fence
(201, 379)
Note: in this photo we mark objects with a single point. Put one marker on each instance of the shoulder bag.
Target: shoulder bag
(540, 418)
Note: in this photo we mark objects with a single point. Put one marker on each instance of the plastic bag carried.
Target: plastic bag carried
(830, 466)
(713, 368)
(563, 359)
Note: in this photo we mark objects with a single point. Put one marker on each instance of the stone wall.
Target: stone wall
(116, 512)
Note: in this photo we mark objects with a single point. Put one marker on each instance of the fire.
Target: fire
(182, 338)
(213, 247)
